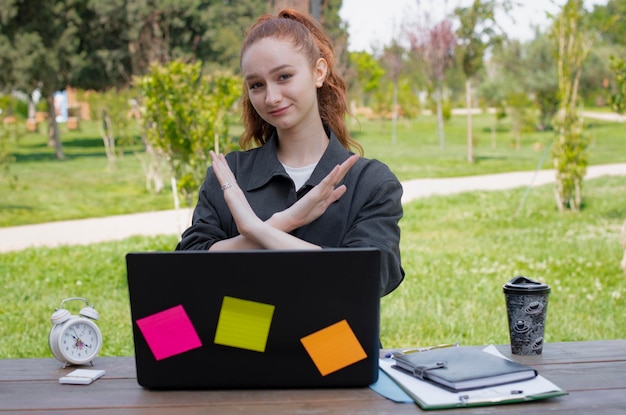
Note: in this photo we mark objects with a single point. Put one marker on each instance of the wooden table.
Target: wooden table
(594, 374)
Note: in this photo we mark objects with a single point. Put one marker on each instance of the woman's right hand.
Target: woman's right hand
(315, 202)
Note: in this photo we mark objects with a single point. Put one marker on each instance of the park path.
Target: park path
(174, 222)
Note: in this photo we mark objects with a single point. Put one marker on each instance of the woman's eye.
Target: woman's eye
(255, 85)
(284, 77)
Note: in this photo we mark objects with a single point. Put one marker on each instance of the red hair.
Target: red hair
(309, 37)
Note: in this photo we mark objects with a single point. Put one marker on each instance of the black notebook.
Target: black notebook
(462, 368)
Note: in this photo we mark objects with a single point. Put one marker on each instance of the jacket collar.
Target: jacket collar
(267, 166)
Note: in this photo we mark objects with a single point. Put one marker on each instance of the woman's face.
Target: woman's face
(281, 83)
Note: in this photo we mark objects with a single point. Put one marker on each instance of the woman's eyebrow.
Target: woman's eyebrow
(272, 71)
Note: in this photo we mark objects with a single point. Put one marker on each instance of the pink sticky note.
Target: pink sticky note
(169, 332)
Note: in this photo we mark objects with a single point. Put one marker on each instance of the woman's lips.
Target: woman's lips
(278, 112)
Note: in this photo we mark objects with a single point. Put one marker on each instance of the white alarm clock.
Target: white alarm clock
(75, 340)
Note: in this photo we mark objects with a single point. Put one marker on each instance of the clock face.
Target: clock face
(80, 341)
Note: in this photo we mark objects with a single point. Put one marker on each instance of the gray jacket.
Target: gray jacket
(367, 215)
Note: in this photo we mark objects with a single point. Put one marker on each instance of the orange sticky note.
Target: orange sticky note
(333, 348)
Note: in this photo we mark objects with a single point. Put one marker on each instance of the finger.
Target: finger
(222, 169)
(227, 171)
(351, 160)
(337, 174)
(347, 165)
(336, 194)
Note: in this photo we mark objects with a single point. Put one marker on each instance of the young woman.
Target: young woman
(296, 185)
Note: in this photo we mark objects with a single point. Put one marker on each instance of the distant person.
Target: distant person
(297, 185)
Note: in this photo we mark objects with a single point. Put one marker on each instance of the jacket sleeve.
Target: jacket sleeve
(206, 225)
(376, 224)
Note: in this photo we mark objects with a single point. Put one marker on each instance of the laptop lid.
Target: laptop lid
(255, 319)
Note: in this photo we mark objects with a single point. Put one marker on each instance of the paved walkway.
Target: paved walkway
(173, 222)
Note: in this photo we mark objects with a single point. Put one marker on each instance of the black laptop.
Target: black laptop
(255, 319)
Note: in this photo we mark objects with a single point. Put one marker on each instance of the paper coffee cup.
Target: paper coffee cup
(527, 308)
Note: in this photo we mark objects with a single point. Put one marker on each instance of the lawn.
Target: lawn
(457, 250)
(86, 185)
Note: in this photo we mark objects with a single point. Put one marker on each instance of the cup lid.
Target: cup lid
(523, 285)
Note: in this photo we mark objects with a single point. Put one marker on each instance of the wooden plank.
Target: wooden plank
(582, 403)
(124, 367)
(587, 376)
(593, 372)
(51, 369)
(566, 352)
(127, 393)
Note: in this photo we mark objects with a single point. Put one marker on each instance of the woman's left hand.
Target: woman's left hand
(242, 212)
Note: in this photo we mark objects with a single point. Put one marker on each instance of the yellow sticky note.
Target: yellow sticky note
(244, 324)
(333, 347)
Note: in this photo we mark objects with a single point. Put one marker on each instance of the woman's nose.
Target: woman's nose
(272, 94)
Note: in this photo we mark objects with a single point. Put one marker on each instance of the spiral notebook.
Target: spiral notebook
(255, 319)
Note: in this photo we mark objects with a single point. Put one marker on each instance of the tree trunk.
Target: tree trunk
(394, 113)
(494, 127)
(468, 104)
(106, 131)
(32, 109)
(54, 140)
(439, 98)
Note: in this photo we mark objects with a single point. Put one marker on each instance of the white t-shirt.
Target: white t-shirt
(300, 175)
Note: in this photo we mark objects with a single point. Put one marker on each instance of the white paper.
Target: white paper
(431, 396)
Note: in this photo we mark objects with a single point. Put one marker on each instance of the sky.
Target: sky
(376, 22)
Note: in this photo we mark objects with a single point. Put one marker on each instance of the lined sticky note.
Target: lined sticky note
(169, 332)
(244, 324)
(333, 348)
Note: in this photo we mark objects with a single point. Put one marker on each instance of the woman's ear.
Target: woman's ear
(321, 69)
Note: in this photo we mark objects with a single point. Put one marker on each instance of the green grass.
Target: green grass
(417, 152)
(457, 250)
(85, 185)
(35, 281)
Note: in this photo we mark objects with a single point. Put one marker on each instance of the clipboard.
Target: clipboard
(431, 397)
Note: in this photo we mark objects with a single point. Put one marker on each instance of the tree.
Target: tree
(573, 44)
(508, 68)
(8, 132)
(221, 28)
(366, 75)
(610, 21)
(336, 28)
(477, 32)
(106, 57)
(40, 48)
(186, 116)
(113, 111)
(435, 46)
(618, 103)
(618, 97)
(540, 77)
(393, 62)
(610, 25)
